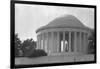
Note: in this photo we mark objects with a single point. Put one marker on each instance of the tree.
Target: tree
(91, 43)
(28, 46)
(17, 45)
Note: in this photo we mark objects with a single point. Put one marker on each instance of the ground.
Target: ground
(54, 59)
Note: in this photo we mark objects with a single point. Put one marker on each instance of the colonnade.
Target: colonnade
(64, 41)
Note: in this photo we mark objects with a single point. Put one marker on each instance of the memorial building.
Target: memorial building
(63, 35)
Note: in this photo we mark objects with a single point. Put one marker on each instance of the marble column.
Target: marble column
(52, 36)
(82, 42)
(75, 41)
(64, 41)
(47, 42)
(43, 41)
(69, 41)
(80, 38)
(37, 43)
(86, 43)
(58, 42)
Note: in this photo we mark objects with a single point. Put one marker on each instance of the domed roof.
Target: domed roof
(67, 21)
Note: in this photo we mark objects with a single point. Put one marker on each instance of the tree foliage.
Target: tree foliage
(91, 44)
(27, 46)
(37, 53)
(17, 45)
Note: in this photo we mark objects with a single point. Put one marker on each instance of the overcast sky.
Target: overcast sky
(28, 18)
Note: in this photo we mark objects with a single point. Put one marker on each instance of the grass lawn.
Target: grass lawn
(53, 59)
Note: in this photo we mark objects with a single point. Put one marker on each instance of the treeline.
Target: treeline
(27, 48)
(91, 44)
